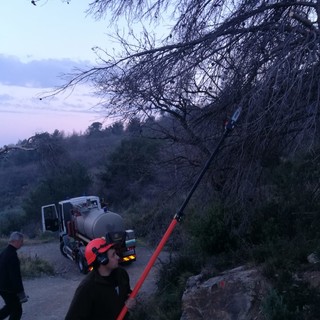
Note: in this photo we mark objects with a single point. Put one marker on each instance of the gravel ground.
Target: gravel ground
(50, 297)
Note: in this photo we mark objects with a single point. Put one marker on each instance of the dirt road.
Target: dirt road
(49, 297)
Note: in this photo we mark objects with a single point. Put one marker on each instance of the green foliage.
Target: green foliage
(291, 300)
(116, 128)
(274, 308)
(149, 219)
(285, 226)
(134, 127)
(166, 304)
(172, 274)
(130, 169)
(94, 129)
(58, 168)
(281, 233)
(52, 152)
(3, 243)
(11, 219)
(300, 174)
(284, 232)
(15, 159)
(295, 198)
(71, 181)
(47, 236)
(209, 231)
(15, 181)
(32, 267)
(282, 253)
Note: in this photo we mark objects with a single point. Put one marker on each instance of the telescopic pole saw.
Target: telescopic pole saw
(228, 128)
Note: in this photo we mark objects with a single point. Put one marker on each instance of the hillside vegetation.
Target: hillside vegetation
(258, 203)
(141, 177)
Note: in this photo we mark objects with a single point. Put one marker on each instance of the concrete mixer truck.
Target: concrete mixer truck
(81, 219)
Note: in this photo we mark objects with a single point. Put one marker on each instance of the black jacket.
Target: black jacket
(100, 298)
(10, 274)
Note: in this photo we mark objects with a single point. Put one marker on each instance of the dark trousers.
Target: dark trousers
(12, 306)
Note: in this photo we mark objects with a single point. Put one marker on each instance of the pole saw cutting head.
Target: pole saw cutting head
(229, 125)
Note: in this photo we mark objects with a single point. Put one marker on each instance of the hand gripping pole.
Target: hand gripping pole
(228, 128)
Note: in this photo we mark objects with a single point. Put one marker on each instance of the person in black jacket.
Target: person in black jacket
(11, 286)
(103, 292)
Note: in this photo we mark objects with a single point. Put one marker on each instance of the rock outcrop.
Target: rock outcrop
(233, 295)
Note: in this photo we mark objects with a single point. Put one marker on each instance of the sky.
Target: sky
(37, 45)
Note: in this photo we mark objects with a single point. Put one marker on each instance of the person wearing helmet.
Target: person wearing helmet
(104, 291)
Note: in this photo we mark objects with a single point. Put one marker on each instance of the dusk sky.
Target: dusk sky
(38, 44)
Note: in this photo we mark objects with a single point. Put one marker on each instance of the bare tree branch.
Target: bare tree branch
(262, 55)
(8, 148)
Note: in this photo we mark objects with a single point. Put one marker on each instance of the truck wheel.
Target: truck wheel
(82, 264)
(62, 249)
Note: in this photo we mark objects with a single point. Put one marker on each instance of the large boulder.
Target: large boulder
(233, 295)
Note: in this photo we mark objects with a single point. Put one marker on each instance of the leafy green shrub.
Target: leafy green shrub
(11, 219)
(171, 284)
(3, 243)
(47, 236)
(282, 254)
(166, 303)
(150, 221)
(291, 300)
(32, 267)
(130, 169)
(170, 274)
(274, 308)
(209, 232)
(71, 180)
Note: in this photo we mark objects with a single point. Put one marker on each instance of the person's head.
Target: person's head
(16, 239)
(100, 253)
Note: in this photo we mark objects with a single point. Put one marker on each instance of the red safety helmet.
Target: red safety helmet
(94, 247)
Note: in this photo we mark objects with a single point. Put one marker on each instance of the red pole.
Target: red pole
(149, 265)
(228, 128)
